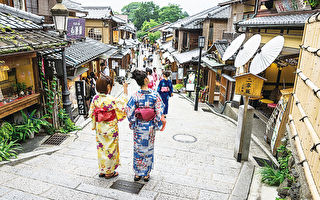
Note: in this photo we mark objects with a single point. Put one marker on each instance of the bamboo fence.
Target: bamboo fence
(304, 119)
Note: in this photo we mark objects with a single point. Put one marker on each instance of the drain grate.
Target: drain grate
(127, 186)
(184, 138)
(56, 139)
(264, 162)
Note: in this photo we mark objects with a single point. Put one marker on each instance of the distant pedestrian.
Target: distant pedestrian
(144, 112)
(165, 90)
(152, 83)
(106, 111)
(155, 75)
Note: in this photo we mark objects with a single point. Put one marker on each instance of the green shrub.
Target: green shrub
(178, 87)
(275, 177)
(67, 124)
(9, 149)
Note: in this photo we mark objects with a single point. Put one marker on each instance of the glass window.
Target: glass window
(95, 33)
(32, 6)
(19, 4)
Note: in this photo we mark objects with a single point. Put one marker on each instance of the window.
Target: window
(19, 4)
(185, 40)
(95, 33)
(32, 6)
(210, 39)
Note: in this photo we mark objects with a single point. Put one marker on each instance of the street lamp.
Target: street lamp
(60, 15)
(201, 45)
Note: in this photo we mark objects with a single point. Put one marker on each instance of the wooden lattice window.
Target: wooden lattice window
(95, 33)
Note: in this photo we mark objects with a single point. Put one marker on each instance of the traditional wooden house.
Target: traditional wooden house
(22, 36)
(269, 21)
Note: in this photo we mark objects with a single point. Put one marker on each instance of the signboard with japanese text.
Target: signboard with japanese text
(80, 91)
(116, 36)
(249, 85)
(190, 85)
(180, 73)
(76, 28)
(291, 5)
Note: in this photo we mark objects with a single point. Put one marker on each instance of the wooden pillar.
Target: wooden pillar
(211, 85)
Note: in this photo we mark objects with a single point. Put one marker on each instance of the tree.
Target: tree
(171, 13)
(149, 24)
(154, 36)
(145, 12)
(129, 10)
(141, 34)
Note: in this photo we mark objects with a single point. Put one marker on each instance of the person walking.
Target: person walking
(152, 83)
(106, 111)
(144, 112)
(155, 75)
(165, 90)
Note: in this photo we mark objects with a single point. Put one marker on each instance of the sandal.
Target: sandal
(102, 175)
(114, 174)
(146, 178)
(137, 178)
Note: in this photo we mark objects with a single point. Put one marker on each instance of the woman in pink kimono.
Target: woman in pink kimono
(106, 111)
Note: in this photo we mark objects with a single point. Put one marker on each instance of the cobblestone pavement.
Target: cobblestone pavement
(205, 169)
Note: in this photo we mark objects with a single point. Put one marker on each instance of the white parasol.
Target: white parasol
(234, 46)
(268, 53)
(248, 50)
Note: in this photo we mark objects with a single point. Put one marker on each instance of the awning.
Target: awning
(170, 58)
(187, 56)
(211, 62)
(79, 71)
(80, 53)
(108, 54)
(166, 55)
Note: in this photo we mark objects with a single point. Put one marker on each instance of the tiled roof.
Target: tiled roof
(167, 47)
(221, 13)
(195, 21)
(121, 53)
(25, 41)
(118, 19)
(19, 20)
(187, 56)
(4, 9)
(128, 27)
(98, 12)
(296, 20)
(74, 6)
(82, 52)
(181, 22)
(221, 46)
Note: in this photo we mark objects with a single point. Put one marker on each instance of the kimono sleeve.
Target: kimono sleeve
(159, 107)
(159, 87)
(130, 109)
(120, 107)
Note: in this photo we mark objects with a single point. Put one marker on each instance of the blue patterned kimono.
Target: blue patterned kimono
(144, 132)
(165, 95)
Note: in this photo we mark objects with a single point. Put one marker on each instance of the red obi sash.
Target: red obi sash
(104, 115)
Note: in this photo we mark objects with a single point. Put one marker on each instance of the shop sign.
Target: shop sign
(180, 73)
(80, 91)
(76, 28)
(114, 64)
(249, 85)
(116, 36)
(122, 72)
(291, 5)
(190, 86)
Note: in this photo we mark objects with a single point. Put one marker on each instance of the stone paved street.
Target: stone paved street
(201, 170)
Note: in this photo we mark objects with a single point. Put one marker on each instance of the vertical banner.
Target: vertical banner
(116, 36)
(180, 73)
(80, 91)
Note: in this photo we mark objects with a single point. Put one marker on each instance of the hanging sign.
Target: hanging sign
(76, 28)
(80, 91)
(116, 36)
(291, 5)
(180, 73)
(122, 72)
(249, 85)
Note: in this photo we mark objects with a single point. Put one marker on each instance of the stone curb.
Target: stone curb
(29, 155)
(253, 137)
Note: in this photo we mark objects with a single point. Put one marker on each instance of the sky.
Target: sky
(191, 6)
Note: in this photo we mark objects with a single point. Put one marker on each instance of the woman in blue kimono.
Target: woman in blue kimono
(165, 90)
(144, 131)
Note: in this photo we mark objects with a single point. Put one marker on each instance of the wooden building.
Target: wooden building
(20, 82)
(270, 22)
